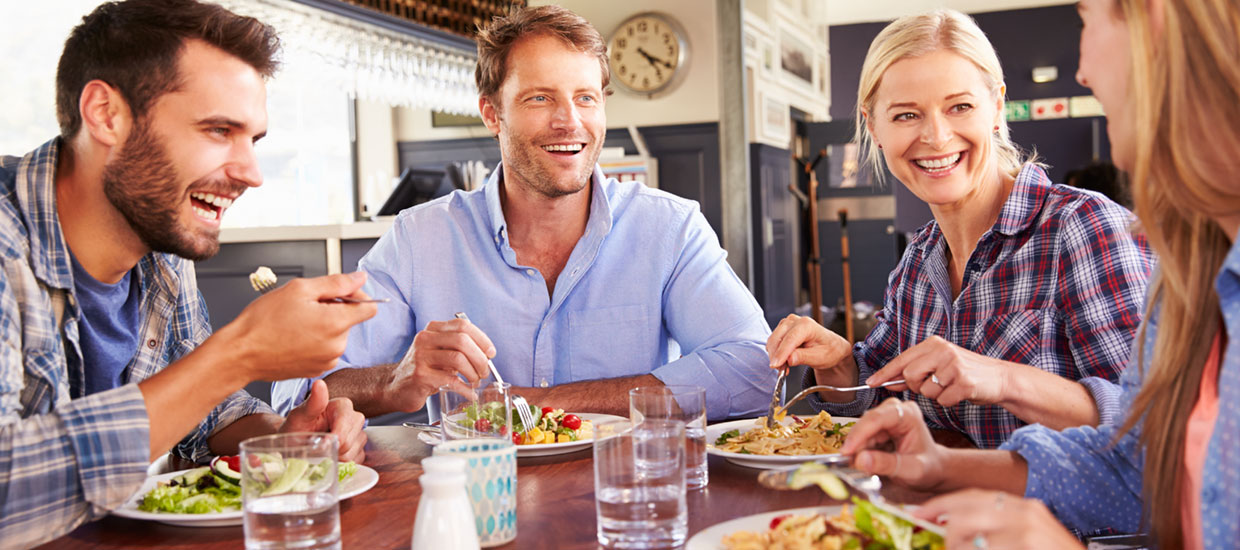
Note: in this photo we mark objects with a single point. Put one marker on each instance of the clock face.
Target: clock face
(646, 52)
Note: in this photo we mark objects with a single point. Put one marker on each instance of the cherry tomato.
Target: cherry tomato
(503, 430)
(516, 438)
(778, 520)
(233, 462)
(255, 462)
(547, 410)
(482, 425)
(571, 421)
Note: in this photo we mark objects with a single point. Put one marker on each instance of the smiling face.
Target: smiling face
(1104, 69)
(934, 116)
(191, 155)
(548, 116)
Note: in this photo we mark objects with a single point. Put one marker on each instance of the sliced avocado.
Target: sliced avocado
(813, 473)
(293, 470)
(190, 478)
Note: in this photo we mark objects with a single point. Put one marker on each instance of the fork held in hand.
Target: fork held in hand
(518, 402)
(770, 412)
(807, 391)
(264, 280)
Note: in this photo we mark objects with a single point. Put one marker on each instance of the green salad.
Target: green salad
(217, 488)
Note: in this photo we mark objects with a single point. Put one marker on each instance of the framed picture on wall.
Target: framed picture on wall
(773, 121)
(797, 58)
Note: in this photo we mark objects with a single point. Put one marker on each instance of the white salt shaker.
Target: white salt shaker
(445, 518)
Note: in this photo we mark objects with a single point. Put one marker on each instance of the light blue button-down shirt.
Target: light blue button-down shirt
(646, 281)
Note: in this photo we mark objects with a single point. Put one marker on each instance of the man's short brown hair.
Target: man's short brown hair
(496, 40)
(135, 45)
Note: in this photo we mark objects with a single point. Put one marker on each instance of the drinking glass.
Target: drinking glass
(639, 483)
(686, 404)
(288, 491)
(488, 417)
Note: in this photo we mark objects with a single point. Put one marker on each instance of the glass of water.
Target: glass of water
(639, 484)
(288, 491)
(686, 404)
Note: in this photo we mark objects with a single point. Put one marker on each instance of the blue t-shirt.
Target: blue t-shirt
(109, 327)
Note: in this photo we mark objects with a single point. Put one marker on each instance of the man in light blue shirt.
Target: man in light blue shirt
(580, 287)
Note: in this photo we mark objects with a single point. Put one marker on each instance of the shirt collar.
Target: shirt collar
(1023, 203)
(36, 198)
(49, 253)
(600, 208)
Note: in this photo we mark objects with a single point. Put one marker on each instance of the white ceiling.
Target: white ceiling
(843, 12)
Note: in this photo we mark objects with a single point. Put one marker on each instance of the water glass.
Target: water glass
(491, 482)
(686, 404)
(288, 491)
(639, 483)
(488, 417)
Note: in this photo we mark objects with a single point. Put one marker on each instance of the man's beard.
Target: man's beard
(143, 185)
(520, 156)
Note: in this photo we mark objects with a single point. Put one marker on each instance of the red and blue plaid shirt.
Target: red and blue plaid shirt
(1058, 283)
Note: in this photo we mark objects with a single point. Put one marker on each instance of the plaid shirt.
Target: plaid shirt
(1057, 283)
(66, 458)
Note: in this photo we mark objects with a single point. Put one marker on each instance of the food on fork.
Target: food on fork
(816, 435)
(263, 278)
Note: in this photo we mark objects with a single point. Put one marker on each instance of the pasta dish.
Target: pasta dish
(868, 527)
(812, 436)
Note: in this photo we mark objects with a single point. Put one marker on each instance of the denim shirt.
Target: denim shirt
(646, 282)
(1090, 485)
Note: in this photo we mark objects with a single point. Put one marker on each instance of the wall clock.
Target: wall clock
(649, 53)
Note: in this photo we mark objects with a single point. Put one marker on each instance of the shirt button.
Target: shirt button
(575, 271)
(151, 343)
(1209, 495)
(543, 384)
(530, 271)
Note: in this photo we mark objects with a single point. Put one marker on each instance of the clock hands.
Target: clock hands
(653, 60)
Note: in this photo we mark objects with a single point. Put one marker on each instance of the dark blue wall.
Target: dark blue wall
(1024, 39)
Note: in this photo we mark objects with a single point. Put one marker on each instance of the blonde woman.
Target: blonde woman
(1168, 77)
(1018, 303)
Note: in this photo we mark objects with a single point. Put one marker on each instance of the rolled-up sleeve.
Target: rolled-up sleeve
(719, 326)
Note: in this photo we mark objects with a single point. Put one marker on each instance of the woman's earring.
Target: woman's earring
(880, 146)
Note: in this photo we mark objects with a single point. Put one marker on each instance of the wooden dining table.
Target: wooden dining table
(555, 507)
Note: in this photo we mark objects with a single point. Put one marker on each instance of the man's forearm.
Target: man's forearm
(609, 396)
(366, 387)
(227, 440)
(180, 396)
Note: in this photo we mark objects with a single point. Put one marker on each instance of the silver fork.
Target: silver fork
(868, 485)
(805, 392)
(770, 411)
(518, 402)
(264, 280)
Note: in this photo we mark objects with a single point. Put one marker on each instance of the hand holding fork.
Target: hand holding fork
(264, 280)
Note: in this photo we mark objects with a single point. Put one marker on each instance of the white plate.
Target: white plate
(711, 538)
(759, 461)
(365, 478)
(540, 449)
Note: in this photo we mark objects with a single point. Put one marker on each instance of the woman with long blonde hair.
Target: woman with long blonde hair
(1173, 465)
